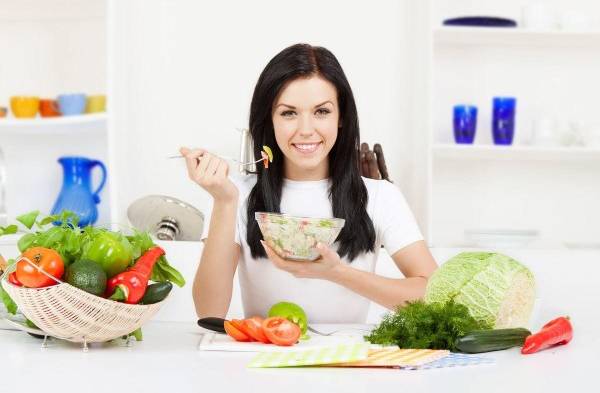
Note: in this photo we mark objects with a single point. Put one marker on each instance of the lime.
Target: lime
(88, 276)
(292, 312)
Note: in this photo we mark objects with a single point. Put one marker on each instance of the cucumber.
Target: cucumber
(492, 340)
(156, 292)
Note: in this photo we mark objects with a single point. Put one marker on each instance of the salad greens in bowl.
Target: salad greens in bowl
(295, 237)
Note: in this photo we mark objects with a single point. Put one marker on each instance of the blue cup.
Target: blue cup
(72, 104)
(503, 120)
(465, 123)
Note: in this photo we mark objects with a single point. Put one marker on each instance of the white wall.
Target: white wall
(183, 73)
(51, 47)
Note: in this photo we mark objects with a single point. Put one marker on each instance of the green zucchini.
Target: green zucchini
(156, 292)
(492, 340)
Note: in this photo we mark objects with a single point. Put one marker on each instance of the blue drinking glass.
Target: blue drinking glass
(465, 123)
(503, 120)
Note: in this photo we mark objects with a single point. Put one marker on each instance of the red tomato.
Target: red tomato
(12, 278)
(46, 259)
(239, 325)
(235, 333)
(253, 326)
(280, 331)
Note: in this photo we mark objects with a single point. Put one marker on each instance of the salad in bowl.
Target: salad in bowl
(295, 238)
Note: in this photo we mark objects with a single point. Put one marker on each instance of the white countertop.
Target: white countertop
(167, 359)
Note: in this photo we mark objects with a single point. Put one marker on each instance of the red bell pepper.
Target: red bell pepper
(130, 285)
(12, 278)
(559, 331)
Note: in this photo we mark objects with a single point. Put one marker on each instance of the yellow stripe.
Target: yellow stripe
(396, 357)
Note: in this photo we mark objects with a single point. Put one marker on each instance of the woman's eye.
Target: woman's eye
(323, 112)
(288, 113)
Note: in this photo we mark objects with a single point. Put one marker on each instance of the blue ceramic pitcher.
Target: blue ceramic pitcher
(76, 194)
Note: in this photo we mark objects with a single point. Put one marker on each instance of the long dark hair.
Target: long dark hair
(348, 194)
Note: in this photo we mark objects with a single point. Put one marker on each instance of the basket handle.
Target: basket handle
(13, 267)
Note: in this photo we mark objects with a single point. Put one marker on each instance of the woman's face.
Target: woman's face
(305, 118)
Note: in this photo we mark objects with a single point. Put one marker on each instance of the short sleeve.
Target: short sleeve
(395, 221)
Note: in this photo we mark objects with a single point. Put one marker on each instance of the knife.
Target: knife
(212, 323)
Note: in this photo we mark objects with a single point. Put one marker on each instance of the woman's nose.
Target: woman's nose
(306, 126)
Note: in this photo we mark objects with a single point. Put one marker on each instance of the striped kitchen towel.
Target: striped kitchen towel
(453, 360)
(311, 357)
(395, 357)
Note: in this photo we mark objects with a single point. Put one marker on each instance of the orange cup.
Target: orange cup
(24, 107)
(49, 108)
(2, 111)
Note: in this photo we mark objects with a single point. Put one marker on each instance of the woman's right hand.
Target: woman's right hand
(210, 172)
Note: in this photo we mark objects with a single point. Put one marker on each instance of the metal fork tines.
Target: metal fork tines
(336, 331)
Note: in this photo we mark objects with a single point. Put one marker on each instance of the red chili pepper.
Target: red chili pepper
(130, 285)
(559, 331)
(12, 278)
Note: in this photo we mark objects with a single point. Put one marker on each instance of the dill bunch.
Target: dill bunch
(420, 325)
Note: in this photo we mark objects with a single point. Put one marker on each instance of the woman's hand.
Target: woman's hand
(210, 172)
(326, 267)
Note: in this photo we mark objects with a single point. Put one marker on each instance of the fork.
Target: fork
(335, 331)
(225, 158)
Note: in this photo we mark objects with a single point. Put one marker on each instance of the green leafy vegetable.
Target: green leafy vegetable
(48, 220)
(26, 241)
(141, 242)
(137, 334)
(28, 219)
(10, 305)
(113, 250)
(421, 325)
(9, 230)
(496, 289)
(162, 271)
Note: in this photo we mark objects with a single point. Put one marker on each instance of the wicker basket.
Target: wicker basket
(66, 312)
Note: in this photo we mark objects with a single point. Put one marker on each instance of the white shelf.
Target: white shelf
(487, 36)
(522, 153)
(54, 125)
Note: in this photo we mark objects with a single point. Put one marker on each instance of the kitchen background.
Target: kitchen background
(181, 73)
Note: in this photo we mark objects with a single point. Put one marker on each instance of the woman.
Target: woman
(304, 109)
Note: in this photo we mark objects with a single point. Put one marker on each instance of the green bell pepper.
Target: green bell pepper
(111, 250)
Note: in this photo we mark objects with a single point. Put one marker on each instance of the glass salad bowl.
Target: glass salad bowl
(295, 237)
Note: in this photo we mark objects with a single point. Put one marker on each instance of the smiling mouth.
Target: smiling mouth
(306, 148)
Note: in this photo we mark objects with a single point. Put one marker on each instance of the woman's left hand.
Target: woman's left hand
(326, 267)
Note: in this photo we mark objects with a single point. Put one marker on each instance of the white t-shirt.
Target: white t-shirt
(262, 284)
